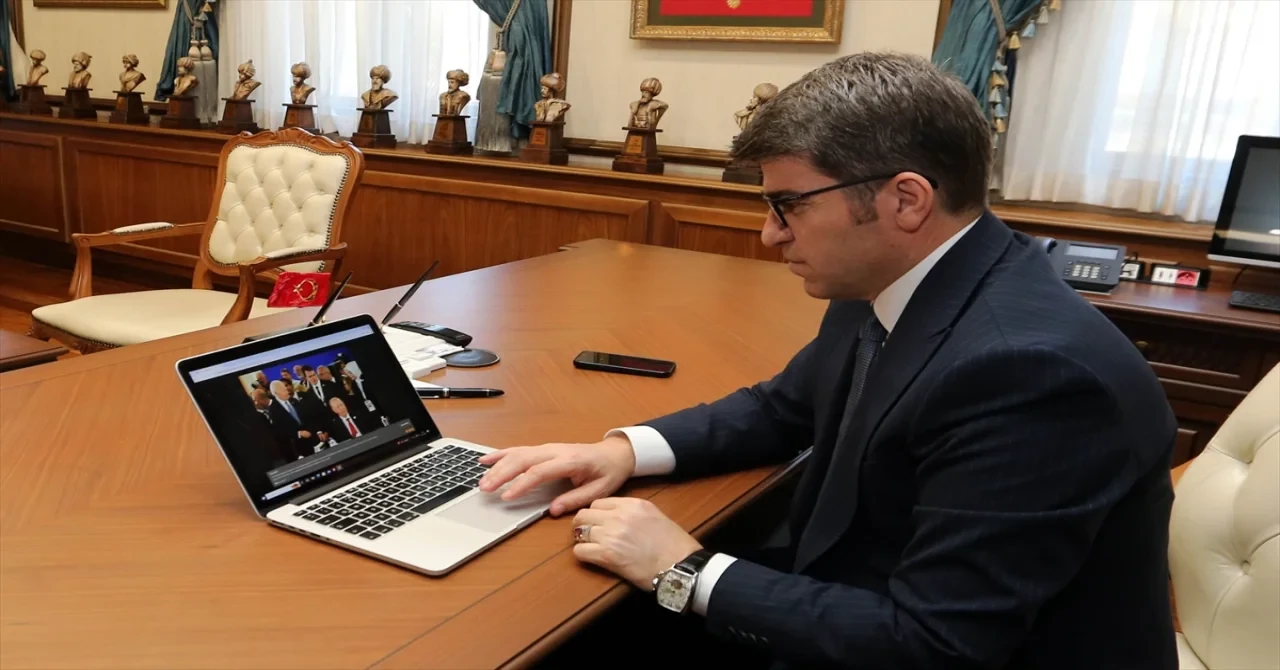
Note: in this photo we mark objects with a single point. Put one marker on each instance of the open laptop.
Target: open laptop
(356, 462)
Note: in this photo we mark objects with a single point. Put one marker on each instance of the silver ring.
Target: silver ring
(582, 534)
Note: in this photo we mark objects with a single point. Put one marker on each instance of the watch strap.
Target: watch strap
(695, 562)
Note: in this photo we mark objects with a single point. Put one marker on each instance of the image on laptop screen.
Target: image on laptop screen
(294, 416)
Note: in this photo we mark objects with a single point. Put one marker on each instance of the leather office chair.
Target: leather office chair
(1224, 541)
(282, 199)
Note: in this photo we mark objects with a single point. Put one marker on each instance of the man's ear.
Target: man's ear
(915, 199)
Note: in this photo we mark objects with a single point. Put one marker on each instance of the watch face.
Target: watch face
(675, 590)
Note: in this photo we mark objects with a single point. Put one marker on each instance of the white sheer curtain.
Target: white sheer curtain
(418, 40)
(1138, 104)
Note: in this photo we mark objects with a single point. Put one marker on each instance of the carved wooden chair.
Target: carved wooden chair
(282, 198)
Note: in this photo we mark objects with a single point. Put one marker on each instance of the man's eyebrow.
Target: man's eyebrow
(780, 193)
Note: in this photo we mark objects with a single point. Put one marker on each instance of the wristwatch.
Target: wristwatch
(674, 586)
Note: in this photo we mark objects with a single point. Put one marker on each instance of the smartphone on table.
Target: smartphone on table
(623, 364)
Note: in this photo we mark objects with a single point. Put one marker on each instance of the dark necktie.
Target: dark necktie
(870, 341)
(870, 338)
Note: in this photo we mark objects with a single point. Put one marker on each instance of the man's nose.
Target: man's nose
(773, 234)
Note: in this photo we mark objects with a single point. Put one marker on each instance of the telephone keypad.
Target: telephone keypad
(1084, 270)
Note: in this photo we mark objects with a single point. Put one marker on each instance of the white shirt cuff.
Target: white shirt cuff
(653, 454)
(716, 565)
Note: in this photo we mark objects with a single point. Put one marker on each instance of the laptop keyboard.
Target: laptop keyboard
(384, 503)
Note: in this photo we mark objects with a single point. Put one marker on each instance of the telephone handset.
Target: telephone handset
(1084, 265)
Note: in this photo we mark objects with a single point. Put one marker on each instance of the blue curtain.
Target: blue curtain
(528, 46)
(180, 42)
(968, 45)
(6, 81)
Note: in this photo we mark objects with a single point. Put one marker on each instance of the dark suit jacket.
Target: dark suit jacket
(1001, 499)
(338, 430)
(285, 429)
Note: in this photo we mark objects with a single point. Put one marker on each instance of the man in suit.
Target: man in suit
(291, 422)
(270, 432)
(315, 400)
(346, 425)
(988, 484)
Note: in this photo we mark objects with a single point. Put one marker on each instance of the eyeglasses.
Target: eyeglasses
(777, 204)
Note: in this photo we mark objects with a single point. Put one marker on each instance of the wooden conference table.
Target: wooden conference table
(126, 542)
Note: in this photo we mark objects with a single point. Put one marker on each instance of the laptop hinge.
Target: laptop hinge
(357, 475)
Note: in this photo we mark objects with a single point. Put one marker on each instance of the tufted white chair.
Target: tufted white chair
(282, 198)
(1224, 541)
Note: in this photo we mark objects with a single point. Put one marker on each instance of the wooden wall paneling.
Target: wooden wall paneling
(469, 225)
(31, 188)
(113, 184)
(719, 231)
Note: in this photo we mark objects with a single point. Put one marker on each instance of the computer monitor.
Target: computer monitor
(1248, 230)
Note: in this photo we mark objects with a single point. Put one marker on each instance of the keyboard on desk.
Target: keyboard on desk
(1265, 302)
(384, 503)
(418, 354)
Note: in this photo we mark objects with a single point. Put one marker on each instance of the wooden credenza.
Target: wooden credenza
(59, 177)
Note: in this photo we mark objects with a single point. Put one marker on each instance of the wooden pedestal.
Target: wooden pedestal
(639, 152)
(237, 117)
(743, 172)
(300, 116)
(374, 130)
(181, 114)
(31, 100)
(450, 137)
(546, 144)
(76, 104)
(129, 109)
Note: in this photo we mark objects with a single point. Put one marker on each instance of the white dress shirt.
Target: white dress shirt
(655, 457)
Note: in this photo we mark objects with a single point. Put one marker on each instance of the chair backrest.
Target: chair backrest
(277, 190)
(1224, 538)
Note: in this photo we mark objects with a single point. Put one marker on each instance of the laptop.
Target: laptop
(329, 439)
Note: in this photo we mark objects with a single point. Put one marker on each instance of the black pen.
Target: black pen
(444, 392)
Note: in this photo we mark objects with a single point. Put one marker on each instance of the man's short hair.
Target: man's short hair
(308, 368)
(879, 113)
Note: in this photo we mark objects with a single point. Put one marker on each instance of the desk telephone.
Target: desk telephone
(1086, 267)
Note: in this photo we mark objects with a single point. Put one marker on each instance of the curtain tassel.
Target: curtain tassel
(998, 79)
(1000, 112)
(1030, 30)
(1043, 17)
(1055, 5)
(1014, 42)
(999, 67)
(1001, 126)
(994, 97)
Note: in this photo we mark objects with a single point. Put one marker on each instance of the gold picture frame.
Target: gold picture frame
(821, 26)
(104, 4)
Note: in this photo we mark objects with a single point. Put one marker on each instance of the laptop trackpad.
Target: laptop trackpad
(489, 512)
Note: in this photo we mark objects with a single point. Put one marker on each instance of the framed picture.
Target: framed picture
(98, 4)
(794, 21)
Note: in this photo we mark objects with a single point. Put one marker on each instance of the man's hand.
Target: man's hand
(632, 538)
(304, 434)
(596, 470)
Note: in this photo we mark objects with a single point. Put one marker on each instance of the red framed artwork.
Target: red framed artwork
(796, 21)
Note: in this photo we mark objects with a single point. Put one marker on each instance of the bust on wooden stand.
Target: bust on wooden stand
(298, 114)
(237, 114)
(450, 137)
(128, 100)
(182, 105)
(640, 151)
(748, 172)
(374, 130)
(76, 103)
(546, 140)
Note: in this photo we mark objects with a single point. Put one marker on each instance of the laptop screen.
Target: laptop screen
(296, 412)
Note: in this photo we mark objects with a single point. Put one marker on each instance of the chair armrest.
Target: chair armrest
(134, 233)
(249, 271)
(82, 277)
